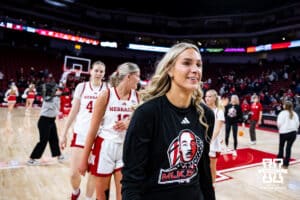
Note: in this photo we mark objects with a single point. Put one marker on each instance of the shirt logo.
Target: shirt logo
(185, 121)
(184, 154)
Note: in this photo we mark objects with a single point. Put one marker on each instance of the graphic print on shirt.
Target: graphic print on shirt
(184, 154)
(232, 112)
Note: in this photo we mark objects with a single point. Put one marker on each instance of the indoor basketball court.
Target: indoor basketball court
(243, 176)
(248, 48)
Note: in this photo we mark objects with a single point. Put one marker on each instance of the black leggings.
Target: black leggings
(48, 132)
(234, 132)
(288, 139)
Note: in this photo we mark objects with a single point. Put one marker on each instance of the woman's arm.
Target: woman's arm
(136, 153)
(218, 126)
(97, 116)
(73, 113)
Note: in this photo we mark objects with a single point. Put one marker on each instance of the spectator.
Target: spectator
(288, 124)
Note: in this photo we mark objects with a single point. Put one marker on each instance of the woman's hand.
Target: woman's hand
(63, 142)
(83, 166)
(121, 125)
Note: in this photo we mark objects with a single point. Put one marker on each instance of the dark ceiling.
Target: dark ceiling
(188, 8)
(170, 8)
(170, 20)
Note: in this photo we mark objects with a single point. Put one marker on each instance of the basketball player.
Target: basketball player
(217, 141)
(83, 104)
(29, 94)
(11, 98)
(167, 142)
(113, 109)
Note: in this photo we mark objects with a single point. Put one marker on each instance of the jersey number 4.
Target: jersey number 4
(89, 106)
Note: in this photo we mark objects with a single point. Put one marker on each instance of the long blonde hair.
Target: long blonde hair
(160, 82)
(288, 105)
(218, 99)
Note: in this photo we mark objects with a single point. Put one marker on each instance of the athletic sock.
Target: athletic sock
(75, 192)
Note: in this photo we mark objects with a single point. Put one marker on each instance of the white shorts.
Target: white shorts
(216, 147)
(106, 157)
(78, 140)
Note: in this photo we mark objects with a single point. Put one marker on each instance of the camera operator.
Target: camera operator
(46, 124)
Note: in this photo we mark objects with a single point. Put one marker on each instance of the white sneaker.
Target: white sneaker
(253, 142)
(234, 153)
(33, 162)
(61, 158)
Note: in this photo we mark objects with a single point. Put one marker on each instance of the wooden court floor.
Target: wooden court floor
(19, 134)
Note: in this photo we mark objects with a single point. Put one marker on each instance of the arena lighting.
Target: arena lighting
(274, 46)
(250, 49)
(65, 36)
(282, 45)
(233, 50)
(109, 44)
(49, 33)
(77, 46)
(214, 50)
(147, 48)
(295, 43)
(266, 47)
(55, 3)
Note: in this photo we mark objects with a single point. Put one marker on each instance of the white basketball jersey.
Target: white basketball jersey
(87, 95)
(218, 145)
(116, 110)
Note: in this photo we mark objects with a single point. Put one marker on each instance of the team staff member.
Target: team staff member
(47, 126)
(288, 124)
(167, 142)
(255, 117)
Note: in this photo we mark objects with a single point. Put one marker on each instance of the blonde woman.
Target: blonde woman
(109, 122)
(167, 141)
(255, 117)
(217, 141)
(233, 116)
(288, 124)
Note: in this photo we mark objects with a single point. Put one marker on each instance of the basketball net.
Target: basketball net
(77, 73)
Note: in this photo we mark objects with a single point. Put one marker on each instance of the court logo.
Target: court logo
(272, 172)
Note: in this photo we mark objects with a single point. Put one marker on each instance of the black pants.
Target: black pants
(252, 130)
(48, 132)
(289, 139)
(234, 132)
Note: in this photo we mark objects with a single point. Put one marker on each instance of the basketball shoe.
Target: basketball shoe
(75, 196)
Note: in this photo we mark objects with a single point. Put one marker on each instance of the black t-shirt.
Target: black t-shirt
(166, 153)
(233, 114)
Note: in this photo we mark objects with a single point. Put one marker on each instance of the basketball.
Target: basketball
(241, 132)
